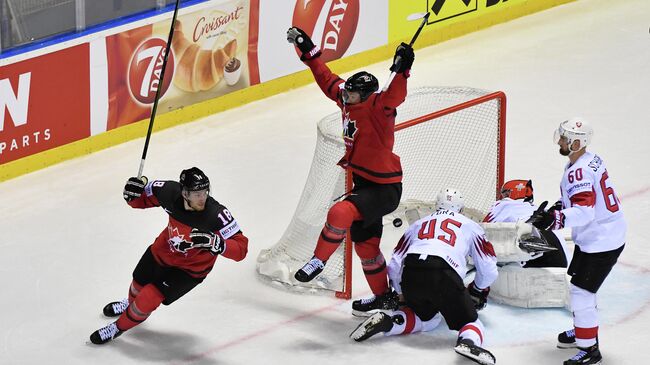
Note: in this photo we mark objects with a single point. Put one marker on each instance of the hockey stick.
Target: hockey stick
(398, 59)
(160, 86)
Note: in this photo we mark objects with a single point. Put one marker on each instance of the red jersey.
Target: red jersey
(214, 218)
(368, 127)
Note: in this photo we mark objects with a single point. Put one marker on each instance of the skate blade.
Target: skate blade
(367, 314)
(362, 332)
(561, 345)
(482, 358)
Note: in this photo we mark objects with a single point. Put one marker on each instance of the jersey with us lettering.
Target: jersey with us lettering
(452, 237)
(173, 246)
(591, 207)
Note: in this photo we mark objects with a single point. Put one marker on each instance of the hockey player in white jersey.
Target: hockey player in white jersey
(517, 204)
(593, 211)
(427, 270)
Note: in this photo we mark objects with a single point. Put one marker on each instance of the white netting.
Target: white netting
(459, 150)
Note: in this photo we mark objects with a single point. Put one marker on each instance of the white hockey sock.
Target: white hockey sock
(585, 316)
(412, 323)
(473, 331)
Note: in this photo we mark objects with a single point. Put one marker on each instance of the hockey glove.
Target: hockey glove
(403, 59)
(134, 188)
(208, 241)
(479, 296)
(550, 219)
(301, 40)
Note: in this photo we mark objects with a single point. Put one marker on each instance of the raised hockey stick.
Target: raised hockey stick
(160, 86)
(425, 17)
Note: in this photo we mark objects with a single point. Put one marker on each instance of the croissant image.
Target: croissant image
(198, 69)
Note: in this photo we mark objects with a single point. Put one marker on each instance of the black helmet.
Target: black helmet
(363, 83)
(194, 179)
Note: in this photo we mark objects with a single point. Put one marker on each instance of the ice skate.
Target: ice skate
(368, 306)
(114, 309)
(466, 347)
(378, 322)
(567, 339)
(586, 356)
(311, 269)
(105, 334)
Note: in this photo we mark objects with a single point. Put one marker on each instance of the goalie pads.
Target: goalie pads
(516, 242)
(531, 287)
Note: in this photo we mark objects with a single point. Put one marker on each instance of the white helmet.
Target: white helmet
(450, 199)
(575, 129)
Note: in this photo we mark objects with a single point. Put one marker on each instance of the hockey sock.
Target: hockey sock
(373, 264)
(411, 323)
(339, 219)
(585, 316)
(139, 310)
(473, 331)
(134, 290)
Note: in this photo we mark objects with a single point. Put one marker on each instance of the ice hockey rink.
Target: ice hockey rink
(69, 242)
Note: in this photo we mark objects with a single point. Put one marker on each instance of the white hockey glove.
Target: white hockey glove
(207, 241)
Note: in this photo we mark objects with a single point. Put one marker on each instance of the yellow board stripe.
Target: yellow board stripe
(193, 112)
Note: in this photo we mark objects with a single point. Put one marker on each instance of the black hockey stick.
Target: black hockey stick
(160, 86)
(398, 59)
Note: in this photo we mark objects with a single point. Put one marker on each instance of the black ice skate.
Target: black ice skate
(114, 309)
(533, 244)
(377, 323)
(567, 339)
(105, 334)
(466, 347)
(368, 306)
(586, 356)
(311, 269)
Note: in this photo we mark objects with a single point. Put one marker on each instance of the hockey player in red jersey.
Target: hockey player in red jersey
(427, 268)
(199, 230)
(368, 119)
(589, 206)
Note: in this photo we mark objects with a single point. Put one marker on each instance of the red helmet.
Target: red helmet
(518, 189)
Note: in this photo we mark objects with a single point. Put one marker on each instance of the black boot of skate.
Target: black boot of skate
(377, 323)
(114, 309)
(567, 339)
(368, 306)
(105, 334)
(311, 269)
(466, 347)
(586, 356)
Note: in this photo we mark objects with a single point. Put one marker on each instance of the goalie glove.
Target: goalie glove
(301, 40)
(550, 219)
(479, 296)
(207, 241)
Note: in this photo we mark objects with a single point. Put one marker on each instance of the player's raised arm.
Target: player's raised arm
(402, 63)
(310, 54)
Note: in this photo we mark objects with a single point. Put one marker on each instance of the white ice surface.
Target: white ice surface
(69, 243)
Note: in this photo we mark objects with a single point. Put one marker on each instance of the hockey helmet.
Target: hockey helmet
(574, 129)
(363, 83)
(193, 179)
(518, 189)
(450, 199)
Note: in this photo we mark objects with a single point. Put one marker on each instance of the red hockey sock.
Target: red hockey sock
(339, 219)
(373, 264)
(134, 290)
(146, 302)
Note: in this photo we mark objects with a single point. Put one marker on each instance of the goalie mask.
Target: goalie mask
(450, 199)
(574, 129)
(518, 189)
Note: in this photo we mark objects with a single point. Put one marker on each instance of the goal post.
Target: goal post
(445, 137)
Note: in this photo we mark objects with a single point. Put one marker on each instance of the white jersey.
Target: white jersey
(452, 237)
(509, 210)
(591, 207)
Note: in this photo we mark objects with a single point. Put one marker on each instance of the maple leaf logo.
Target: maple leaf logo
(349, 127)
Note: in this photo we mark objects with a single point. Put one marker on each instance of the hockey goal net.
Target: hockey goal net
(445, 137)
